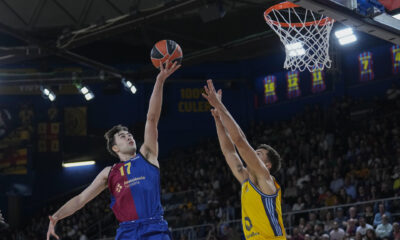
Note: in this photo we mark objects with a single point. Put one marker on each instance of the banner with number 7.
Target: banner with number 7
(366, 64)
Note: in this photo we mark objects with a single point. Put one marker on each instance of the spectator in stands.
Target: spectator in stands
(361, 231)
(299, 205)
(342, 197)
(350, 188)
(337, 233)
(340, 218)
(313, 219)
(329, 222)
(396, 182)
(297, 234)
(353, 213)
(325, 237)
(330, 199)
(393, 93)
(212, 235)
(396, 231)
(384, 229)
(371, 234)
(369, 214)
(361, 195)
(3, 224)
(351, 228)
(318, 230)
(379, 215)
(336, 183)
(290, 192)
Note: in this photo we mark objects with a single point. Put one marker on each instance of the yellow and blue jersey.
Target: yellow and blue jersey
(261, 213)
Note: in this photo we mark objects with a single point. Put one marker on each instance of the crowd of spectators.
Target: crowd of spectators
(346, 153)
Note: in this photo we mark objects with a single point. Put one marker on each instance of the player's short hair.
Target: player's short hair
(110, 138)
(273, 157)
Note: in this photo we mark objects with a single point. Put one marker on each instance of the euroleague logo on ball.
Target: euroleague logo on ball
(166, 50)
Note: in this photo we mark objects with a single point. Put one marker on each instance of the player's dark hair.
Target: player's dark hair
(110, 137)
(273, 157)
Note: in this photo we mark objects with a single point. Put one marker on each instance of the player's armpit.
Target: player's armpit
(249, 155)
(96, 187)
(236, 166)
(150, 145)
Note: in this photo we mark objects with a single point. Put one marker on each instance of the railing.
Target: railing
(200, 232)
(197, 232)
(289, 215)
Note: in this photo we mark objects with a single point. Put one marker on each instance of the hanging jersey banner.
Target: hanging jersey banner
(395, 50)
(270, 89)
(366, 66)
(293, 81)
(318, 81)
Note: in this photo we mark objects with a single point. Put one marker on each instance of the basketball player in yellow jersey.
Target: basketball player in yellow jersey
(261, 194)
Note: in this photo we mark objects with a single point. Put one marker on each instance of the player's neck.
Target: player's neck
(126, 157)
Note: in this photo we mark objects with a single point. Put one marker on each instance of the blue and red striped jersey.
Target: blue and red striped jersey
(135, 190)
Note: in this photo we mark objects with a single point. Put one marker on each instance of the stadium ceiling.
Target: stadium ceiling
(100, 33)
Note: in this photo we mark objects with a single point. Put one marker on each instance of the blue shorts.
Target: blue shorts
(144, 229)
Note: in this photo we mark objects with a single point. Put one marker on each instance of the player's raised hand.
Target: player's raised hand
(51, 230)
(214, 111)
(166, 71)
(211, 95)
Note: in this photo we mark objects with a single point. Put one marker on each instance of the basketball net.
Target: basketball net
(305, 36)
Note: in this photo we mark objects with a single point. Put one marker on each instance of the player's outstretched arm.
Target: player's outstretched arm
(77, 202)
(150, 146)
(239, 139)
(228, 149)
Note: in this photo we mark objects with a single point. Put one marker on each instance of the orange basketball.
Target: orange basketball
(165, 50)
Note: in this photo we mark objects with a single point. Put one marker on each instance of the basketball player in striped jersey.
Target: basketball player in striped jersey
(134, 182)
(261, 194)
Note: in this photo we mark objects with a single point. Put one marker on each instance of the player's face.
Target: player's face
(262, 154)
(125, 143)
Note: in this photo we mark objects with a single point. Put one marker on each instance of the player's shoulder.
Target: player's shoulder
(105, 172)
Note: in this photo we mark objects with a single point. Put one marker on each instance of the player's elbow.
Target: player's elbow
(230, 154)
(80, 201)
(239, 140)
(152, 118)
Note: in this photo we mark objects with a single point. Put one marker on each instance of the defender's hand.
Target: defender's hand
(211, 95)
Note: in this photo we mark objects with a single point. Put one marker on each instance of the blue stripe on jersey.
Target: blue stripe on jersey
(277, 221)
(269, 206)
(146, 193)
(112, 201)
(263, 194)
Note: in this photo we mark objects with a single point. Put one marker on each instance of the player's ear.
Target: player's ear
(269, 165)
(115, 148)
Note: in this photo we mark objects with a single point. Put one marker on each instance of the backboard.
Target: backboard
(369, 16)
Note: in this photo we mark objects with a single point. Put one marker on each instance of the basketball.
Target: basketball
(165, 50)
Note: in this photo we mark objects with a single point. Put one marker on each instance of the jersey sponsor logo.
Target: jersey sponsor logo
(118, 188)
(248, 224)
(253, 234)
(134, 181)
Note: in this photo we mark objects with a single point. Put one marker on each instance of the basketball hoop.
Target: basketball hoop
(305, 35)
